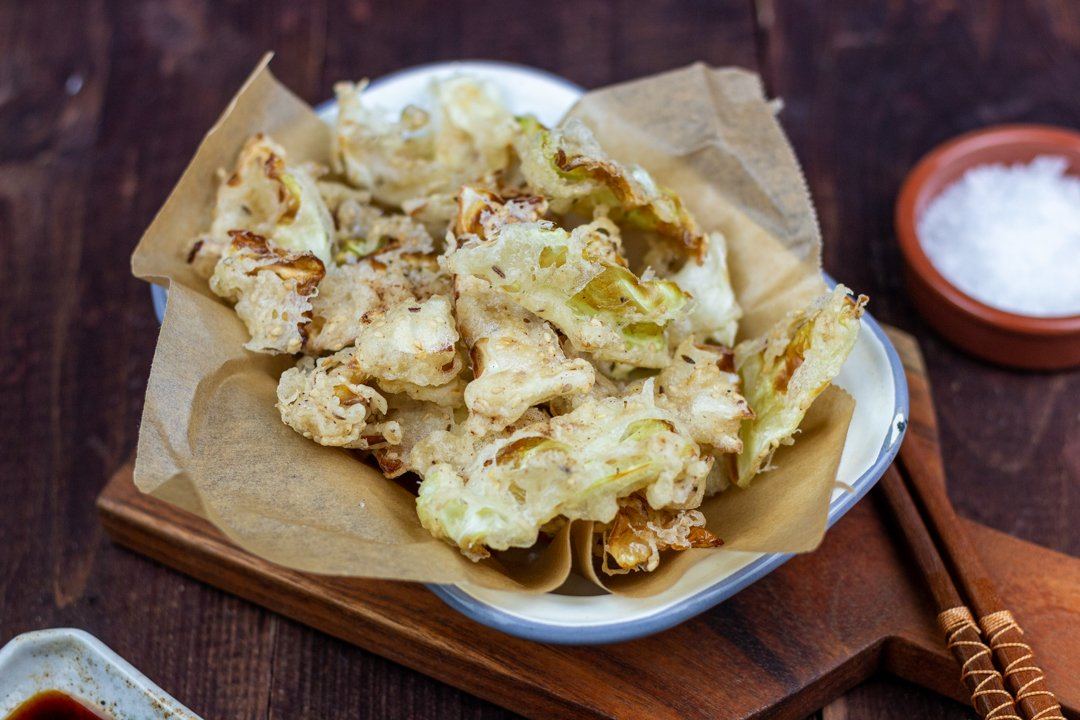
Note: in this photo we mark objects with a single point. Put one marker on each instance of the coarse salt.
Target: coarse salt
(1009, 236)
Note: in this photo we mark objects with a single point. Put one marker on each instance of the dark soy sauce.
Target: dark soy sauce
(54, 705)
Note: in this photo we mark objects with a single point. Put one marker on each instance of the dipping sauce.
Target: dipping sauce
(1009, 236)
(54, 705)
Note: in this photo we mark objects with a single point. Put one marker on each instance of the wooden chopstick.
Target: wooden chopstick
(924, 473)
(1015, 657)
(982, 680)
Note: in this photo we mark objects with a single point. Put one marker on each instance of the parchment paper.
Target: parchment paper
(212, 442)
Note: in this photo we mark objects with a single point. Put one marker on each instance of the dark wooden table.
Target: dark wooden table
(102, 104)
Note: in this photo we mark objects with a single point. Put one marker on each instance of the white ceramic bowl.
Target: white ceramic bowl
(873, 375)
(81, 666)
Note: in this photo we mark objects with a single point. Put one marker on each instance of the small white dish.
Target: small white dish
(79, 665)
(873, 375)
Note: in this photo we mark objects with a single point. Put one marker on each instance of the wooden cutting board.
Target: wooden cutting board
(782, 648)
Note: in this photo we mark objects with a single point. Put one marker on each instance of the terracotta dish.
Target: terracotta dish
(1040, 343)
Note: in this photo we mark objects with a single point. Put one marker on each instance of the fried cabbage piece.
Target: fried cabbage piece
(576, 466)
(424, 272)
(723, 472)
(266, 196)
(409, 350)
(569, 168)
(602, 307)
(602, 241)
(481, 212)
(364, 230)
(327, 400)
(419, 161)
(634, 540)
(457, 446)
(517, 361)
(403, 268)
(416, 420)
(343, 200)
(350, 296)
(272, 290)
(786, 369)
(411, 343)
(602, 387)
(701, 388)
(450, 394)
(715, 314)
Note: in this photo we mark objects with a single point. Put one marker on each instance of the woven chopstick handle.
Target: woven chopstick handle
(988, 694)
(1023, 676)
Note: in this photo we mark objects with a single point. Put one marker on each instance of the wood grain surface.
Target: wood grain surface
(102, 104)
(781, 648)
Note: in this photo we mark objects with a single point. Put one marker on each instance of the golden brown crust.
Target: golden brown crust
(304, 270)
(634, 540)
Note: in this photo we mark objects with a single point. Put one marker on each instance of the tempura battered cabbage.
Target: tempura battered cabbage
(416, 421)
(356, 293)
(344, 202)
(459, 286)
(602, 387)
(722, 474)
(786, 369)
(271, 289)
(456, 446)
(569, 167)
(450, 394)
(603, 308)
(602, 241)
(328, 401)
(267, 196)
(419, 161)
(481, 212)
(411, 343)
(411, 349)
(701, 388)
(407, 350)
(517, 361)
(634, 540)
(349, 297)
(575, 466)
(364, 230)
(715, 314)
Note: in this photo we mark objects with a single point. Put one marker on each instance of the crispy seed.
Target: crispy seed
(194, 251)
(687, 358)
(414, 309)
(498, 271)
